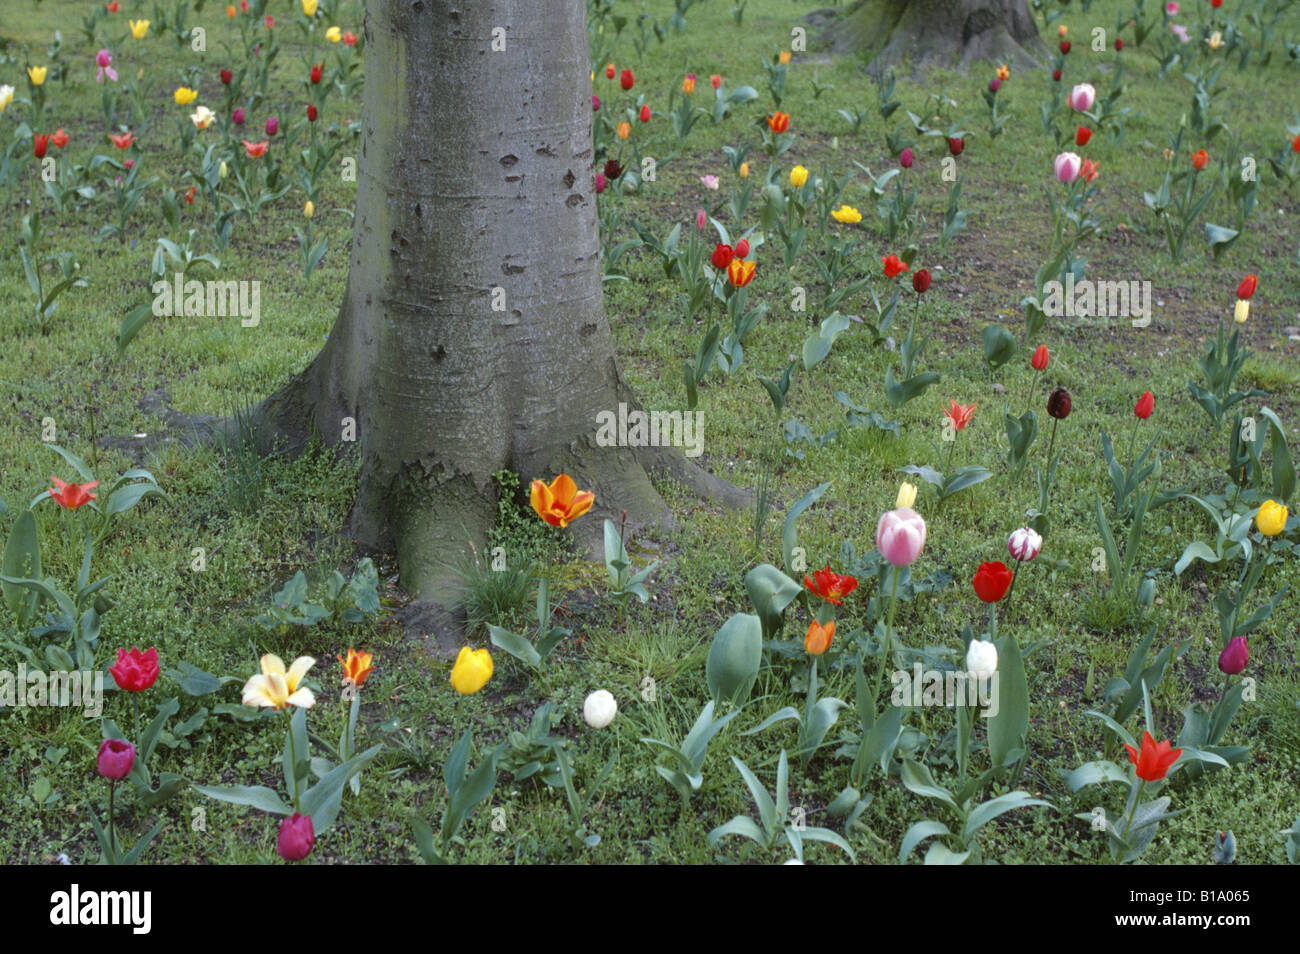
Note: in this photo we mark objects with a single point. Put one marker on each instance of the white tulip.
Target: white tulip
(599, 709)
(981, 659)
(1024, 544)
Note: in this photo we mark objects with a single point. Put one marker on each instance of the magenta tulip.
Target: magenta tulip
(115, 759)
(1235, 656)
(296, 837)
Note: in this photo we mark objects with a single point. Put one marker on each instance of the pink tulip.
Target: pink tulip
(595, 102)
(1067, 167)
(115, 759)
(296, 837)
(104, 60)
(1235, 656)
(1082, 97)
(900, 535)
(1171, 8)
(905, 160)
(237, 117)
(600, 182)
(272, 126)
(1024, 544)
(701, 220)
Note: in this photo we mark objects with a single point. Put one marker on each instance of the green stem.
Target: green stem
(1132, 811)
(112, 831)
(886, 650)
(293, 772)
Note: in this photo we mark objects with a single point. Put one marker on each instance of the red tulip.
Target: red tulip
(1056, 75)
(992, 581)
(1082, 135)
(830, 586)
(721, 256)
(645, 113)
(226, 77)
(349, 38)
(270, 22)
(40, 144)
(742, 248)
(112, 7)
(627, 80)
(778, 122)
(613, 169)
(1065, 46)
(72, 496)
(960, 414)
(600, 182)
(237, 117)
(60, 138)
(921, 281)
(609, 71)
(311, 113)
(956, 144)
(1119, 44)
(1199, 159)
(272, 126)
(1154, 761)
(255, 149)
(316, 72)
(135, 671)
(1145, 405)
(1041, 356)
(715, 80)
(893, 266)
(595, 103)
(1295, 144)
(1058, 404)
(1216, 3)
(1247, 286)
(1235, 656)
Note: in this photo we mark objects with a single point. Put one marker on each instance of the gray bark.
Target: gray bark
(951, 33)
(475, 180)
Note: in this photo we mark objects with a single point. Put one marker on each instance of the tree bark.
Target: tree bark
(950, 33)
(472, 336)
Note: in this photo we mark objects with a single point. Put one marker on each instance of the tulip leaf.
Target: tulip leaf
(518, 646)
(257, 796)
(940, 854)
(21, 560)
(771, 591)
(1093, 773)
(1283, 468)
(1007, 729)
(734, 658)
(918, 833)
(987, 811)
(1220, 238)
(999, 345)
(323, 800)
(917, 779)
(740, 825)
(789, 538)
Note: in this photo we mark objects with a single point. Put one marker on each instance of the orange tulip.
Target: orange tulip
(1155, 760)
(561, 502)
(123, 141)
(688, 84)
(1199, 159)
(356, 668)
(959, 415)
(778, 122)
(784, 57)
(624, 130)
(818, 638)
(740, 272)
(255, 149)
(72, 496)
(1088, 170)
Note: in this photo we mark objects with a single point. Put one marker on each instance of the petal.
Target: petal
(581, 504)
(539, 495)
(257, 692)
(298, 670)
(303, 698)
(564, 488)
(272, 664)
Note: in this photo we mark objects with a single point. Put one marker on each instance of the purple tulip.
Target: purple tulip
(905, 160)
(900, 535)
(296, 837)
(115, 759)
(1235, 656)
(994, 85)
(272, 126)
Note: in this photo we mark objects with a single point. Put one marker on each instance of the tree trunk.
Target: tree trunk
(472, 336)
(950, 33)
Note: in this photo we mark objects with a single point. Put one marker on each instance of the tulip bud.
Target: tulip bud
(981, 659)
(115, 759)
(627, 80)
(1067, 167)
(1119, 44)
(1241, 312)
(645, 113)
(599, 709)
(1235, 656)
(222, 170)
(1271, 518)
(994, 85)
(906, 496)
(237, 117)
(226, 77)
(296, 837)
(956, 144)
(798, 176)
(1056, 76)
(1147, 589)
(921, 280)
(1058, 404)
(1024, 544)
(905, 160)
(272, 126)
(1040, 359)
(743, 171)
(595, 103)
(309, 209)
(311, 113)
(742, 248)
(1247, 286)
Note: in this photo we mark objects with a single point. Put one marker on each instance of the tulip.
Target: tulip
(1271, 518)
(715, 80)
(37, 74)
(740, 273)
(1062, 30)
(124, 141)
(742, 248)
(905, 160)
(270, 23)
(349, 38)
(960, 415)
(613, 169)
(1241, 311)
(296, 837)
(894, 266)
(599, 708)
(202, 117)
(1082, 97)
(1065, 46)
(645, 113)
(1216, 3)
(308, 209)
(60, 138)
(255, 149)
(784, 57)
(7, 97)
(595, 103)
(1067, 167)
(847, 214)
(921, 281)
(184, 95)
(956, 144)
(1056, 76)
(1004, 72)
(1214, 40)
(71, 496)
(701, 219)
(135, 671)
(830, 586)
(115, 759)
(1235, 656)
(40, 144)
(627, 80)
(722, 255)
(624, 130)
(818, 638)
(1119, 44)
(272, 126)
(709, 182)
(1024, 544)
(278, 688)
(138, 28)
(1058, 404)
(600, 182)
(333, 34)
(992, 580)
(317, 71)
(743, 171)
(1088, 170)
(994, 85)
(1040, 358)
(113, 6)
(1247, 287)
(1082, 135)
(560, 502)
(1295, 143)
(104, 60)
(778, 122)
(1199, 159)
(1145, 405)
(1180, 31)
(798, 176)
(981, 659)
(226, 77)
(357, 666)
(472, 670)
(900, 536)
(311, 112)
(688, 84)
(230, 11)
(1154, 761)
(1171, 8)
(309, 8)
(609, 71)
(906, 496)
(237, 117)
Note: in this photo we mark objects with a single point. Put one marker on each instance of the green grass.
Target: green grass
(261, 519)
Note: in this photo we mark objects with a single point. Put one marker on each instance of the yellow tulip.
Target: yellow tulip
(1271, 518)
(138, 28)
(846, 213)
(222, 170)
(309, 8)
(184, 95)
(744, 170)
(1242, 311)
(1004, 72)
(472, 671)
(688, 85)
(277, 688)
(906, 497)
(37, 74)
(798, 176)
(1215, 40)
(334, 34)
(6, 97)
(309, 209)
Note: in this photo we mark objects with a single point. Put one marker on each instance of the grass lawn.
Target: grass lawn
(258, 521)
